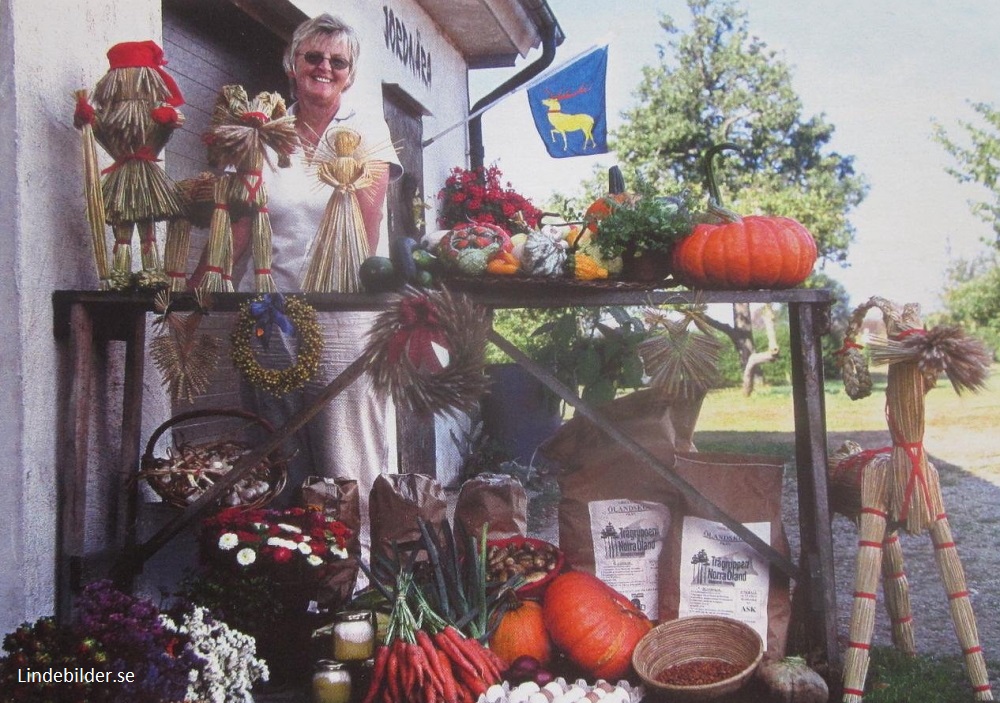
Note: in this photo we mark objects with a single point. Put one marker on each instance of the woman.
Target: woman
(352, 436)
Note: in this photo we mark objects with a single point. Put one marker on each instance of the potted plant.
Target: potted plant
(643, 230)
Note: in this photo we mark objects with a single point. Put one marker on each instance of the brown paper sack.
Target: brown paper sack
(747, 488)
(396, 501)
(496, 500)
(339, 499)
(607, 492)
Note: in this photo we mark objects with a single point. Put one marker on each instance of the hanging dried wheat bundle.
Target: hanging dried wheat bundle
(680, 362)
(427, 351)
(184, 358)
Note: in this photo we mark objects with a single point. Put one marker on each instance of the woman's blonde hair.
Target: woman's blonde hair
(325, 25)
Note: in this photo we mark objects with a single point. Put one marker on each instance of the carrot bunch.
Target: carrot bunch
(426, 660)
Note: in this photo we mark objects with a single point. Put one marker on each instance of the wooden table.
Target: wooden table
(84, 321)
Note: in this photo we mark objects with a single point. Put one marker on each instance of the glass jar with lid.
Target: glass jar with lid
(331, 682)
(354, 635)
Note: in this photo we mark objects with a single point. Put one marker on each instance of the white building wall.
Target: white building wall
(49, 49)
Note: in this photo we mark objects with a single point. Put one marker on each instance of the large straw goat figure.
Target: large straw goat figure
(895, 487)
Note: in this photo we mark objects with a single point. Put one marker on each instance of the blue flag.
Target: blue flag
(569, 107)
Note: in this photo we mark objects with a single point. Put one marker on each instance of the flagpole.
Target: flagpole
(524, 86)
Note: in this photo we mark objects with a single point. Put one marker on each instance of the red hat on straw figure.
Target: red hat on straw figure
(134, 192)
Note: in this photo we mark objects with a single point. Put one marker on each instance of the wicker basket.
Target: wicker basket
(192, 468)
(697, 638)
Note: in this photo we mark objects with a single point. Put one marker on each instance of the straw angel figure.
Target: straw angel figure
(341, 242)
(242, 130)
(896, 487)
(132, 116)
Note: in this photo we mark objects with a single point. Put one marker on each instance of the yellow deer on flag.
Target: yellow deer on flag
(562, 122)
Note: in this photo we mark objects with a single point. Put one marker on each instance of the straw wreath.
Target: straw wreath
(427, 350)
(251, 327)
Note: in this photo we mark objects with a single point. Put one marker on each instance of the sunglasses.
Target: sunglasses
(315, 58)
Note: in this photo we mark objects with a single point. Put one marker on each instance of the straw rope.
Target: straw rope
(96, 216)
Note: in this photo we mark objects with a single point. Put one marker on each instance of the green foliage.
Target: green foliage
(972, 299)
(587, 353)
(978, 161)
(718, 83)
(651, 223)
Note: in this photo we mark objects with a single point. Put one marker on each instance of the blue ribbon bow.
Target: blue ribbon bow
(268, 311)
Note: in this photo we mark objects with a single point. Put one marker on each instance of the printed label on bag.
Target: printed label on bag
(721, 575)
(628, 538)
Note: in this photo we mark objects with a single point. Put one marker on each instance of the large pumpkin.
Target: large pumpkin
(742, 253)
(521, 632)
(750, 252)
(595, 625)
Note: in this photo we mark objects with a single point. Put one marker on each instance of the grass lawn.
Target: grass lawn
(960, 429)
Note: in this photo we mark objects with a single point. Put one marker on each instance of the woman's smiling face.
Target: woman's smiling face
(322, 83)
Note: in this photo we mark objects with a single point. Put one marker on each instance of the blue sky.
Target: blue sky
(880, 71)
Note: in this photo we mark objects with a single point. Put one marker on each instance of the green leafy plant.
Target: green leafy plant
(590, 352)
(648, 223)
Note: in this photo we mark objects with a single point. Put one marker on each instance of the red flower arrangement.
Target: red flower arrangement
(287, 544)
(478, 195)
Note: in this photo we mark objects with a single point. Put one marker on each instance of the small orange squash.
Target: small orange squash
(521, 631)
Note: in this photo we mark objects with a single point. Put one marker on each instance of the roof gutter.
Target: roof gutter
(551, 35)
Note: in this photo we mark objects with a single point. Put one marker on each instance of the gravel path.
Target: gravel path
(973, 506)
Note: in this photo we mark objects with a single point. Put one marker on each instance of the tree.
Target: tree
(716, 82)
(978, 162)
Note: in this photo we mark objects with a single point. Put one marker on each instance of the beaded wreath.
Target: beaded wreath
(278, 381)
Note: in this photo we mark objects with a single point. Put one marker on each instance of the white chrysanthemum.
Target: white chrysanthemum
(228, 541)
(282, 542)
(339, 551)
(246, 556)
(305, 548)
(289, 528)
(314, 560)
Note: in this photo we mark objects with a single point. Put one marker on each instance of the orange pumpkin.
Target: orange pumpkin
(521, 631)
(750, 252)
(595, 625)
(743, 253)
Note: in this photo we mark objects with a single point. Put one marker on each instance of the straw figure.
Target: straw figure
(895, 487)
(132, 116)
(341, 242)
(241, 133)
